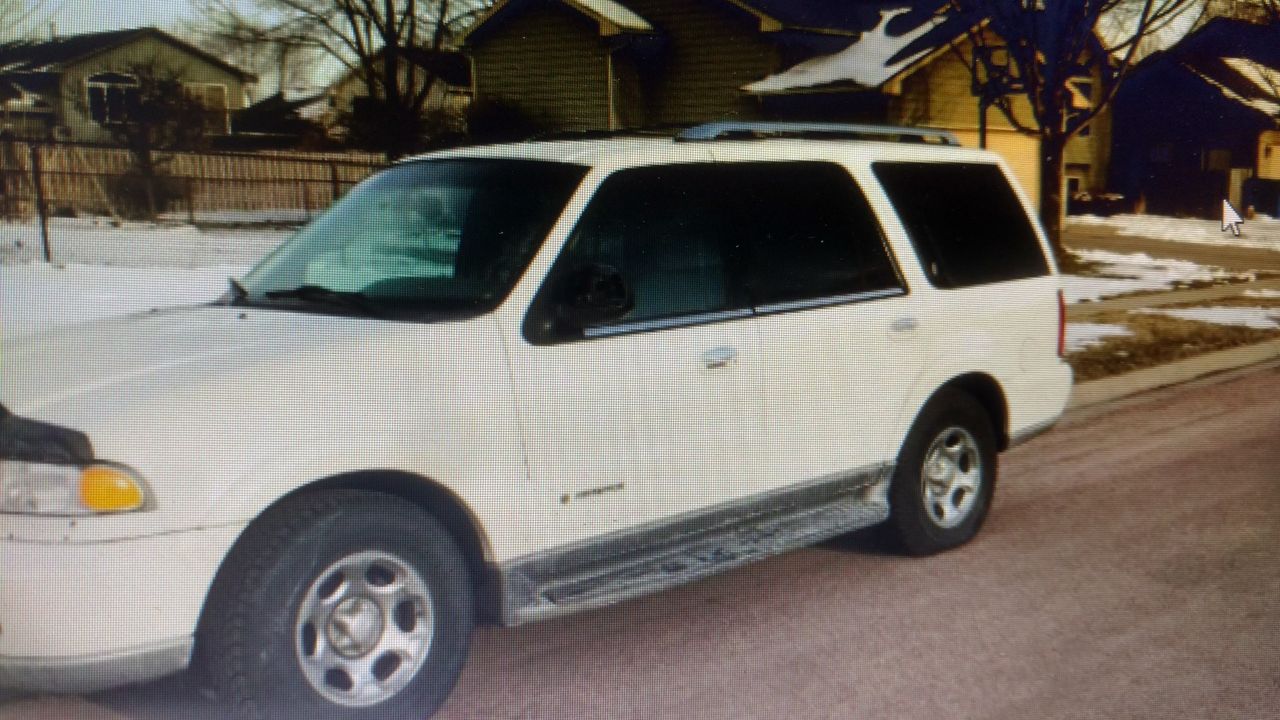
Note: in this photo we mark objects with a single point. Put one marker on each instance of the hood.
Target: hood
(216, 372)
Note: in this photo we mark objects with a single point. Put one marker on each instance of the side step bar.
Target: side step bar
(660, 556)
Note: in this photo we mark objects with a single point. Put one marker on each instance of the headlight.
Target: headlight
(42, 489)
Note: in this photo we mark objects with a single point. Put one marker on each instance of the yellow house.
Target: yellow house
(923, 78)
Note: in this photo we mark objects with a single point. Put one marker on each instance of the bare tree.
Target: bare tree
(381, 41)
(149, 112)
(1036, 49)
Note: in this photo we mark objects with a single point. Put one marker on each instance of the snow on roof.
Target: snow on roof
(614, 12)
(1268, 105)
(863, 63)
(1266, 78)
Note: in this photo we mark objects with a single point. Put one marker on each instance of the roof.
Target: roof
(877, 55)
(844, 18)
(1241, 60)
(25, 56)
(612, 16)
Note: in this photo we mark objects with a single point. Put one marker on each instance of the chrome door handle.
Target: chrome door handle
(905, 324)
(720, 357)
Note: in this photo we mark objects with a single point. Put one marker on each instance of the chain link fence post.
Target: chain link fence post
(42, 205)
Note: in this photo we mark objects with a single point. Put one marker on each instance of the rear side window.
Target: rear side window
(807, 234)
(965, 222)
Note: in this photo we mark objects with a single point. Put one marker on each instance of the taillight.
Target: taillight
(1062, 325)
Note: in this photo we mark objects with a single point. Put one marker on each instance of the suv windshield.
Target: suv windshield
(424, 237)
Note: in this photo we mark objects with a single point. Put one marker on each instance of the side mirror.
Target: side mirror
(593, 295)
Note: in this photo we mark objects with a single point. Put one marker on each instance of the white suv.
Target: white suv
(503, 383)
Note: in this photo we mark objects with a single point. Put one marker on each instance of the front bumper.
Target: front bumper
(76, 617)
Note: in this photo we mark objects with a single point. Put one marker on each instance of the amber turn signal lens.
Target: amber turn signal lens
(108, 489)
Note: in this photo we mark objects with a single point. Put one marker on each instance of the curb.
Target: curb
(1113, 388)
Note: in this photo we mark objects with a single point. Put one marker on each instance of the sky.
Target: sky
(76, 16)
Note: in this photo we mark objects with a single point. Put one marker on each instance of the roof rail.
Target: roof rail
(731, 130)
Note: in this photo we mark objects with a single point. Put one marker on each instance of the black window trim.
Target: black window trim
(539, 307)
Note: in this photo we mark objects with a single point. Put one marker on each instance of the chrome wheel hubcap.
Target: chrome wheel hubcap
(951, 478)
(364, 629)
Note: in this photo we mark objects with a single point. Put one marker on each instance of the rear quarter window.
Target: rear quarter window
(965, 222)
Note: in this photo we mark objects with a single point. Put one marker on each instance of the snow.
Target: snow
(1261, 232)
(1127, 273)
(1263, 293)
(1262, 105)
(40, 296)
(97, 242)
(1084, 335)
(1259, 318)
(616, 14)
(102, 271)
(862, 63)
(1117, 25)
(1267, 79)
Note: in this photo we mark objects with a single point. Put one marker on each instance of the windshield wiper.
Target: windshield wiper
(238, 292)
(349, 300)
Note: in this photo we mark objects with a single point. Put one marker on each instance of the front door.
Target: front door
(653, 410)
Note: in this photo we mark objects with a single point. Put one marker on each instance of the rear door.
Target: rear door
(838, 329)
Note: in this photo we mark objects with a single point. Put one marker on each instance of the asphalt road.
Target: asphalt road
(1129, 569)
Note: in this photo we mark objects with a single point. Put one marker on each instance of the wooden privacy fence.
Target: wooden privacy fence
(73, 179)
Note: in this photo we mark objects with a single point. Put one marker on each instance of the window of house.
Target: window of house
(965, 222)
(213, 98)
(112, 97)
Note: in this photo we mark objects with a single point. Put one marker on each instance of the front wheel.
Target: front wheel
(945, 477)
(343, 605)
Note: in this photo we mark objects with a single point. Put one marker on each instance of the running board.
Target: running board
(663, 555)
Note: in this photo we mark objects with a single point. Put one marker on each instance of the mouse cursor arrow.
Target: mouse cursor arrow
(1231, 218)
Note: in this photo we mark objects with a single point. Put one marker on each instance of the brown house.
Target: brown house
(608, 64)
(612, 64)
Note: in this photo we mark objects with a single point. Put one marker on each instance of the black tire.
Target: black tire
(399, 577)
(952, 422)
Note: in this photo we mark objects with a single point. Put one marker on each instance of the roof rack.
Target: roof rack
(813, 131)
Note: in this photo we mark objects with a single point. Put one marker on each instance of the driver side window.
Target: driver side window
(661, 229)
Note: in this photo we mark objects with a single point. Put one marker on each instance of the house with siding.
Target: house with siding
(74, 87)
(1224, 140)
(614, 64)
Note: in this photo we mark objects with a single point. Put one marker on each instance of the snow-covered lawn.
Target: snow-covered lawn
(1259, 318)
(101, 270)
(1261, 232)
(39, 296)
(1126, 273)
(93, 241)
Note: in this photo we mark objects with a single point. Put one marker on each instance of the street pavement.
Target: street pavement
(1128, 570)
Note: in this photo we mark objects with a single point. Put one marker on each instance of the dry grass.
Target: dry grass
(1232, 301)
(1157, 340)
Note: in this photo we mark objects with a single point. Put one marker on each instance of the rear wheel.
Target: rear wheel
(946, 475)
(340, 604)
